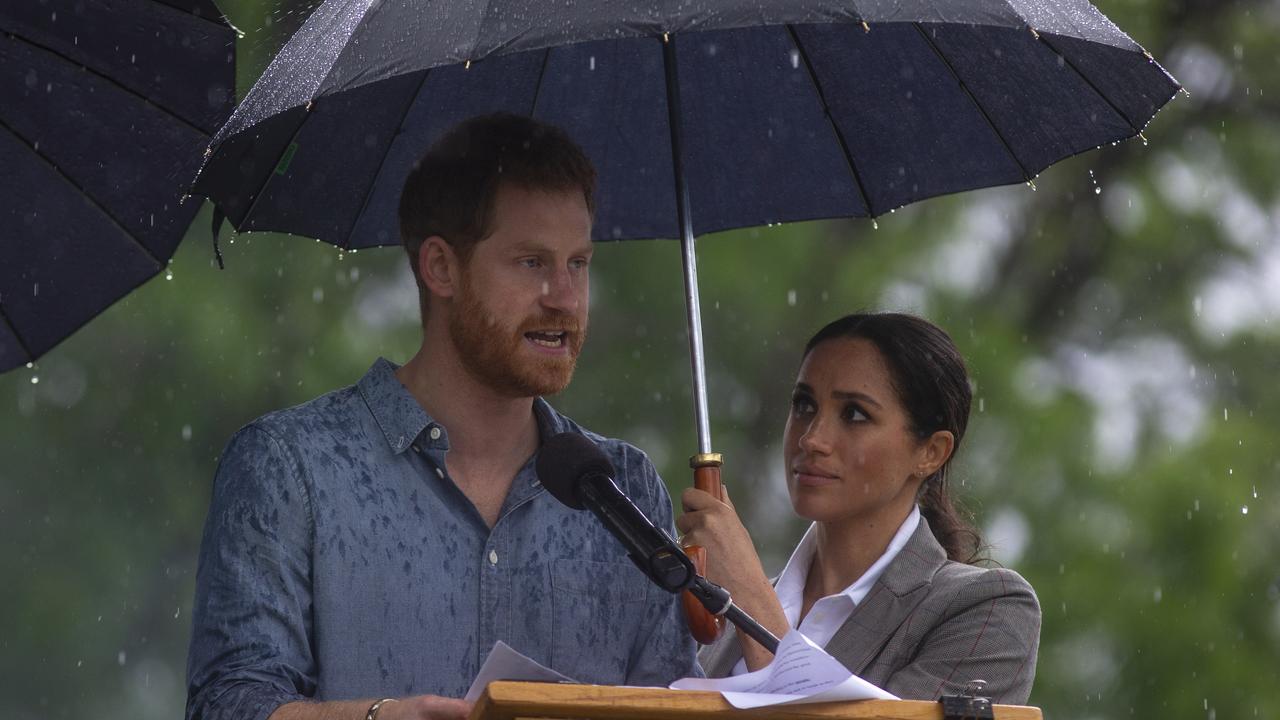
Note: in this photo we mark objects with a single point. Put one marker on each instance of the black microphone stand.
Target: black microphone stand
(718, 602)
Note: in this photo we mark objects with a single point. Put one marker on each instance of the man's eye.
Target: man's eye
(579, 263)
(532, 263)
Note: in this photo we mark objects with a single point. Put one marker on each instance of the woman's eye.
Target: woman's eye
(853, 413)
(801, 405)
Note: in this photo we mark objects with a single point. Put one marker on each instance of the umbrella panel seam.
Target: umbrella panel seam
(368, 195)
(220, 19)
(262, 189)
(826, 111)
(1098, 91)
(13, 328)
(969, 94)
(85, 194)
(537, 88)
(111, 81)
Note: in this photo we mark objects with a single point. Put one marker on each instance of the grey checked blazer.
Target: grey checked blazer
(929, 626)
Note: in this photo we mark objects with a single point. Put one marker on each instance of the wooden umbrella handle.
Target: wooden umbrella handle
(704, 626)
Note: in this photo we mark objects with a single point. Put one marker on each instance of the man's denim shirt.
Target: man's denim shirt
(339, 561)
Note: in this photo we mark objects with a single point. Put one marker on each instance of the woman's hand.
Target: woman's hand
(733, 564)
(713, 523)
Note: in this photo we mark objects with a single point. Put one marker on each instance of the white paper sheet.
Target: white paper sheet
(504, 663)
(801, 672)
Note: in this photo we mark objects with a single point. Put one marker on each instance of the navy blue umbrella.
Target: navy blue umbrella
(700, 115)
(790, 110)
(106, 107)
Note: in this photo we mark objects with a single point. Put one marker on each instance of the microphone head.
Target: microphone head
(564, 459)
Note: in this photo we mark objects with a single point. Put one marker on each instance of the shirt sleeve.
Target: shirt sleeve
(250, 651)
(991, 631)
(664, 650)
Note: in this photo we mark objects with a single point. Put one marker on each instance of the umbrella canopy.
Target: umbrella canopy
(105, 107)
(791, 110)
(699, 115)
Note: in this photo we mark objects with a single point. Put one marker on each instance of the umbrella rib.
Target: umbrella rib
(969, 94)
(537, 88)
(4, 315)
(221, 20)
(1095, 88)
(248, 213)
(111, 81)
(368, 194)
(826, 110)
(85, 194)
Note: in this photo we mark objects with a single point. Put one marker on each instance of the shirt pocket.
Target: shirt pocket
(597, 611)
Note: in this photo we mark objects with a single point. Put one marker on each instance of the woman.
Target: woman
(883, 579)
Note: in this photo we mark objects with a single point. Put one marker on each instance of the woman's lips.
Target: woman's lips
(813, 477)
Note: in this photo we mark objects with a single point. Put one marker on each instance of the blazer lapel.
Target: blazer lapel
(890, 601)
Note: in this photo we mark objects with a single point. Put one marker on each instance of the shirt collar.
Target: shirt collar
(790, 585)
(550, 422)
(396, 411)
(403, 420)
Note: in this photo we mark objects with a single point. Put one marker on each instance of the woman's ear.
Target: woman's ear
(934, 452)
(438, 267)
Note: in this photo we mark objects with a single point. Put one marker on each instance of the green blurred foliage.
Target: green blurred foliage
(1121, 324)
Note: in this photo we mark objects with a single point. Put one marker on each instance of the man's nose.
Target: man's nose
(562, 291)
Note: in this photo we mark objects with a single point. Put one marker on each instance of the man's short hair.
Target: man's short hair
(451, 189)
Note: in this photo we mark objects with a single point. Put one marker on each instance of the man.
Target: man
(365, 550)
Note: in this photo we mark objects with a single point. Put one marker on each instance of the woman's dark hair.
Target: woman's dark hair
(930, 379)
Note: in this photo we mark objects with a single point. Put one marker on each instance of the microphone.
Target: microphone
(579, 474)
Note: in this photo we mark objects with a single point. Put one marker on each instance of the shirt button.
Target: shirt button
(439, 473)
(493, 557)
(435, 433)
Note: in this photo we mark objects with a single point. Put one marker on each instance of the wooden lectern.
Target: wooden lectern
(544, 701)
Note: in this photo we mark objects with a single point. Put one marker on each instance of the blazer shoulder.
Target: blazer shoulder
(989, 581)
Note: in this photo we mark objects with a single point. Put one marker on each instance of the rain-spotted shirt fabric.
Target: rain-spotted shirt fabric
(339, 561)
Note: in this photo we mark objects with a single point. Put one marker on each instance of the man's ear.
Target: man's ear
(934, 452)
(438, 267)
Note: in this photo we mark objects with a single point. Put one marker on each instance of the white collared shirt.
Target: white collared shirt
(829, 613)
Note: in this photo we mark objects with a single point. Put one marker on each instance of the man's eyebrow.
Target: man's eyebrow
(533, 246)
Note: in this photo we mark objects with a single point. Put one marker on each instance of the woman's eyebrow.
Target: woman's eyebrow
(853, 395)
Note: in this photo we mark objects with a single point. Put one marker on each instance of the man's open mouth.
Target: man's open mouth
(548, 338)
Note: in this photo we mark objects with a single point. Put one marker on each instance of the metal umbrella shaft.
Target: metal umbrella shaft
(703, 625)
(692, 305)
